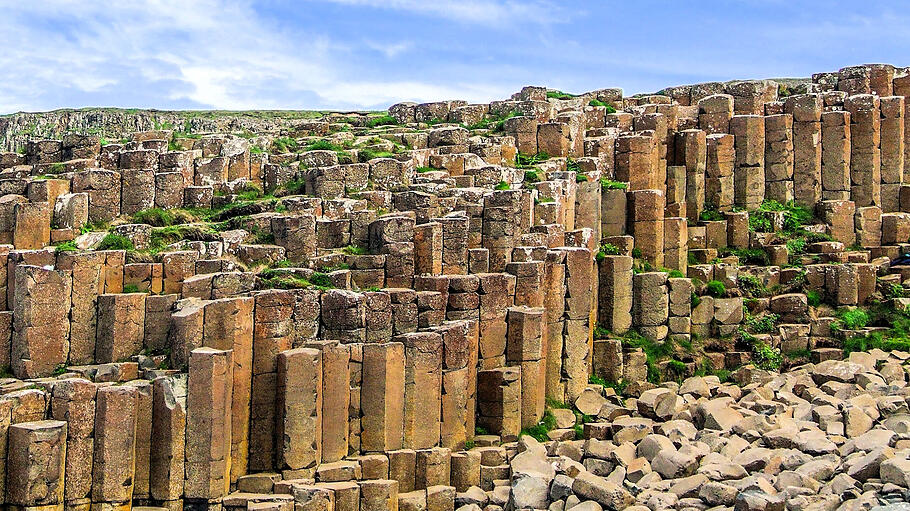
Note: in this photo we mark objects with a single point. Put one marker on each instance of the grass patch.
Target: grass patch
(539, 431)
(686, 344)
(605, 250)
(796, 246)
(162, 237)
(896, 337)
(765, 357)
(892, 291)
(263, 238)
(66, 246)
(279, 279)
(294, 187)
(495, 123)
(334, 267)
(798, 354)
(88, 227)
(794, 216)
(115, 242)
(352, 250)
(609, 184)
(502, 185)
(877, 340)
(716, 289)
(851, 319)
(558, 94)
(596, 102)
(365, 155)
(532, 176)
(157, 217)
(814, 298)
(382, 120)
(524, 161)
(325, 145)
(764, 324)
(710, 215)
(250, 192)
(554, 404)
(676, 368)
(705, 368)
(654, 351)
(285, 145)
(755, 256)
(752, 286)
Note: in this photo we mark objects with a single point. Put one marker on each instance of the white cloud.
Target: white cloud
(486, 12)
(206, 53)
(390, 50)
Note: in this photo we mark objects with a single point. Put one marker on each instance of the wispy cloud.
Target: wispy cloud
(204, 54)
(486, 12)
(390, 50)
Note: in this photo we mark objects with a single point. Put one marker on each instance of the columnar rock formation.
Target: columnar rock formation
(373, 312)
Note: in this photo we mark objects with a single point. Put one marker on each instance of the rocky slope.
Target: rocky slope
(115, 123)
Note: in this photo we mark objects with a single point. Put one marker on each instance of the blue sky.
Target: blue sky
(356, 54)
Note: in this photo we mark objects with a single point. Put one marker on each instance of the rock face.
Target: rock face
(550, 301)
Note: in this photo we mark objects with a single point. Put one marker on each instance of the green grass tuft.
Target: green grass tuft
(596, 102)
(115, 242)
(382, 120)
(66, 246)
(156, 217)
(524, 161)
(605, 250)
(765, 357)
(532, 176)
(608, 184)
(764, 324)
(558, 94)
(814, 298)
(852, 319)
(710, 215)
(716, 289)
(285, 145)
(352, 250)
